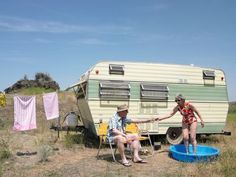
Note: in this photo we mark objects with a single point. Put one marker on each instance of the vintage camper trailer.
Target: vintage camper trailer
(149, 89)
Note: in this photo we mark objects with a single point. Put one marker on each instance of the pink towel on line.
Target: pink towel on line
(51, 108)
(24, 113)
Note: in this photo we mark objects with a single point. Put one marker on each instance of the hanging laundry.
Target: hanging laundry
(24, 113)
(3, 100)
(50, 103)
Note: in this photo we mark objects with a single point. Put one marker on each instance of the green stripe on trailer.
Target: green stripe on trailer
(192, 92)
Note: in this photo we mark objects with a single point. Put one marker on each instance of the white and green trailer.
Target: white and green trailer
(149, 89)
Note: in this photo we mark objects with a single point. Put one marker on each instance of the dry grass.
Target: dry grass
(66, 156)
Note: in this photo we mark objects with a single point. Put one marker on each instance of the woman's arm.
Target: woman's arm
(143, 121)
(173, 112)
(198, 114)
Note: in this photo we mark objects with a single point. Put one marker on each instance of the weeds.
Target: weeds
(51, 174)
(44, 152)
(227, 162)
(1, 171)
(70, 140)
(4, 153)
(1, 124)
(4, 150)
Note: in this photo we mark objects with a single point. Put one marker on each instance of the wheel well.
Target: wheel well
(174, 135)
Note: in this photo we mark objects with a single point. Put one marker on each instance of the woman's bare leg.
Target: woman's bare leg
(193, 130)
(186, 137)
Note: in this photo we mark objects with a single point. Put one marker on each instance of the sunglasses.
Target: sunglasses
(178, 100)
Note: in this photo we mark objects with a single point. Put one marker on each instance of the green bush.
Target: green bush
(35, 91)
(231, 117)
(4, 150)
(232, 107)
(44, 152)
(70, 140)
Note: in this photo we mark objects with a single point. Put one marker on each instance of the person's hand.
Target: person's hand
(202, 123)
(127, 140)
(152, 120)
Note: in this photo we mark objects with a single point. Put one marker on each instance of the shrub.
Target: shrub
(4, 150)
(44, 152)
(42, 80)
(232, 107)
(70, 140)
(227, 161)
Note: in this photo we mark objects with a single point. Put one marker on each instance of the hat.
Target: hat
(123, 107)
(179, 97)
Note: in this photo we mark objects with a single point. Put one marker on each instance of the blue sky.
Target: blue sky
(64, 38)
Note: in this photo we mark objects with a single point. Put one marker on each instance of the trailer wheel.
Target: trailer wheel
(174, 135)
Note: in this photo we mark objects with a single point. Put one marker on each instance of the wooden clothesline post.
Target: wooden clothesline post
(58, 126)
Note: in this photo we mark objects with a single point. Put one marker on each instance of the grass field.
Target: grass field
(74, 159)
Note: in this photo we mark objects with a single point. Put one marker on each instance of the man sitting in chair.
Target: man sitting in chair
(117, 134)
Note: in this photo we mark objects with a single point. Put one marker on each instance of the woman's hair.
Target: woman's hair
(179, 97)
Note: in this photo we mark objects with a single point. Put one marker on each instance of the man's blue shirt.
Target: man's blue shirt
(117, 122)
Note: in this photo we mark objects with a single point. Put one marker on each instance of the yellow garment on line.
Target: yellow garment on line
(3, 100)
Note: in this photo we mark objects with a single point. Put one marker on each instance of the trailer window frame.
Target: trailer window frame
(154, 92)
(114, 90)
(208, 74)
(208, 77)
(116, 69)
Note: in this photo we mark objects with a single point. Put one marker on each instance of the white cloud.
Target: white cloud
(17, 60)
(92, 41)
(154, 7)
(43, 41)
(16, 24)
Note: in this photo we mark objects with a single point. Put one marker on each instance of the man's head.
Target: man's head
(122, 110)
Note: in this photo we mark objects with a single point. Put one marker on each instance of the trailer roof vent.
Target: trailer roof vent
(207, 74)
(116, 69)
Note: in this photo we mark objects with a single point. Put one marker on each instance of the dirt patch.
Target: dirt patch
(83, 162)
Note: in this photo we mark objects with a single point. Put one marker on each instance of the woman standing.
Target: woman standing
(189, 121)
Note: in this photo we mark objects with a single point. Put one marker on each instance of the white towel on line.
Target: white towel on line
(24, 113)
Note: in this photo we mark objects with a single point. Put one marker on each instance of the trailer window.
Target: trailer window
(116, 69)
(112, 90)
(209, 75)
(155, 92)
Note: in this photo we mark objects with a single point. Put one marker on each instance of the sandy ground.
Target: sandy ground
(78, 161)
(83, 162)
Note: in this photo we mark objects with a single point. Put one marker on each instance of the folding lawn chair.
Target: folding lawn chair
(130, 128)
(133, 128)
(102, 133)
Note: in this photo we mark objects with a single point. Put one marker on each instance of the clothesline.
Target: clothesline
(25, 110)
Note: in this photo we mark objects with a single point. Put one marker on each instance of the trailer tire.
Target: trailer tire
(174, 135)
